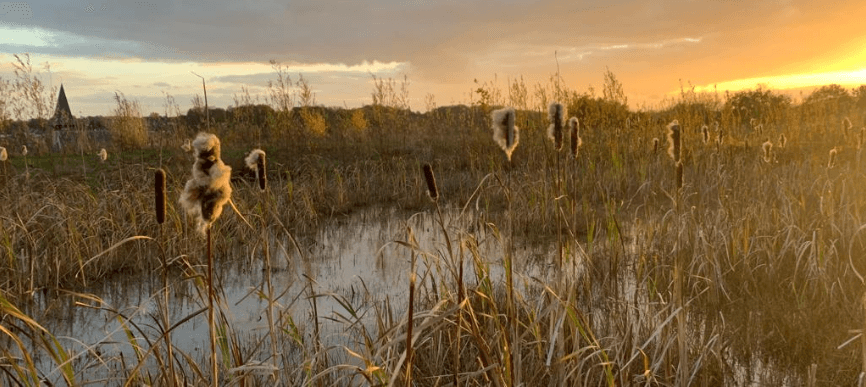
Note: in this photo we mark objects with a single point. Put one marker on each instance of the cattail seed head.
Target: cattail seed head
(576, 141)
(159, 190)
(24, 150)
(674, 140)
(832, 162)
(103, 155)
(505, 133)
(706, 132)
(204, 195)
(431, 182)
(556, 115)
(767, 148)
(655, 145)
(679, 175)
(861, 137)
(256, 161)
(3, 155)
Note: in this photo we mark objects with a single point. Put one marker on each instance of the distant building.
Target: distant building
(62, 114)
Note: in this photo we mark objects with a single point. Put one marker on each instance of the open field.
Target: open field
(751, 273)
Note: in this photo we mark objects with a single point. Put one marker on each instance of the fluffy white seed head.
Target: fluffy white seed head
(252, 160)
(505, 133)
(103, 155)
(204, 195)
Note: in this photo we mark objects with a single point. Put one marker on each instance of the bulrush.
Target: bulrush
(576, 141)
(674, 140)
(431, 182)
(209, 190)
(846, 126)
(159, 194)
(505, 133)
(256, 161)
(556, 115)
(832, 162)
(861, 137)
(103, 155)
(655, 145)
(767, 148)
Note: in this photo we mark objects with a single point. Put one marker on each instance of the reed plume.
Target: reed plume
(505, 133)
(767, 148)
(556, 115)
(159, 190)
(832, 162)
(431, 182)
(209, 190)
(103, 155)
(576, 141)
(256, 161)
(674, 140)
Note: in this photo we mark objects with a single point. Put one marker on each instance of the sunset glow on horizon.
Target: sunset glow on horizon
(439, 49)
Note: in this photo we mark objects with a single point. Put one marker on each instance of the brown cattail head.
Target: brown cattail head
(256, 161)
(705, 130)
(431, 182)
(767, 148)
(576, 141)
(861, 137)
(3, 155)
(679, 175)
(159, 190)
(505, 133)
(655, 145)
(782, 140)
(556, 115)
(674, 140)
(209, 190)
(832, 162)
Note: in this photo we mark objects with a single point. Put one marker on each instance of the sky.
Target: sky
(149, 49)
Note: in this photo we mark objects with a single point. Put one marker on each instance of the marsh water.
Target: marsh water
(360, 261)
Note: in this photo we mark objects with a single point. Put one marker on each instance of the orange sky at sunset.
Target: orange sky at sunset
(149, 49)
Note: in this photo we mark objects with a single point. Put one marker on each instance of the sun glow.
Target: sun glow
(794, 81)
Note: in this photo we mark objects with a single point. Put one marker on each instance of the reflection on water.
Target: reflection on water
(354, 258)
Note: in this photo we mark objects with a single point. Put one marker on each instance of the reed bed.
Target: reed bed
(740, 262)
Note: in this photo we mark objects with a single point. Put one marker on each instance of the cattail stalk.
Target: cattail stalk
(256, 161)
(431, 182)
(159, 208)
